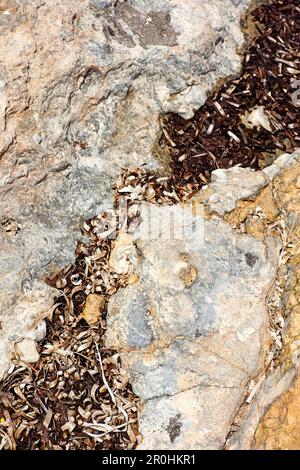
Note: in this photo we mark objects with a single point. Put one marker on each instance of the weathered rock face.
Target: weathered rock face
(280, 428)
(192, 330)
(82, 85)
(81, 88)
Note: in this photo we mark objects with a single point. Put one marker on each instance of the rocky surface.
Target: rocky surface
(235, 184)
(195, 331)
(208, 327)
(280, 428)
(271, 420)
(81, 88)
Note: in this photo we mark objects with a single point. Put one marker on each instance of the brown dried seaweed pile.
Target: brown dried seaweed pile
(77, 395)
(217, 137)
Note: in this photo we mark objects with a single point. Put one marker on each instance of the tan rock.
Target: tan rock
(280, 428)
(93, 308)
(121, 253)
(132, 279)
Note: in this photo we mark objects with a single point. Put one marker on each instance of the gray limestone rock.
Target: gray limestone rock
(192, 331)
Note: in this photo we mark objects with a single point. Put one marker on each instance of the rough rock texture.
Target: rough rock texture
(277, 208)
(234, 184)
(192, 330)
(82, 85)
(280, 428)
(200, 329)
(81, 88)
(271, 389)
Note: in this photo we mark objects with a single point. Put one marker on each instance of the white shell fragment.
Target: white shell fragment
(257, 117)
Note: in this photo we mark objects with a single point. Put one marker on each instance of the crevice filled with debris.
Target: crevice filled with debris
(77, 396)
(252, 118)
